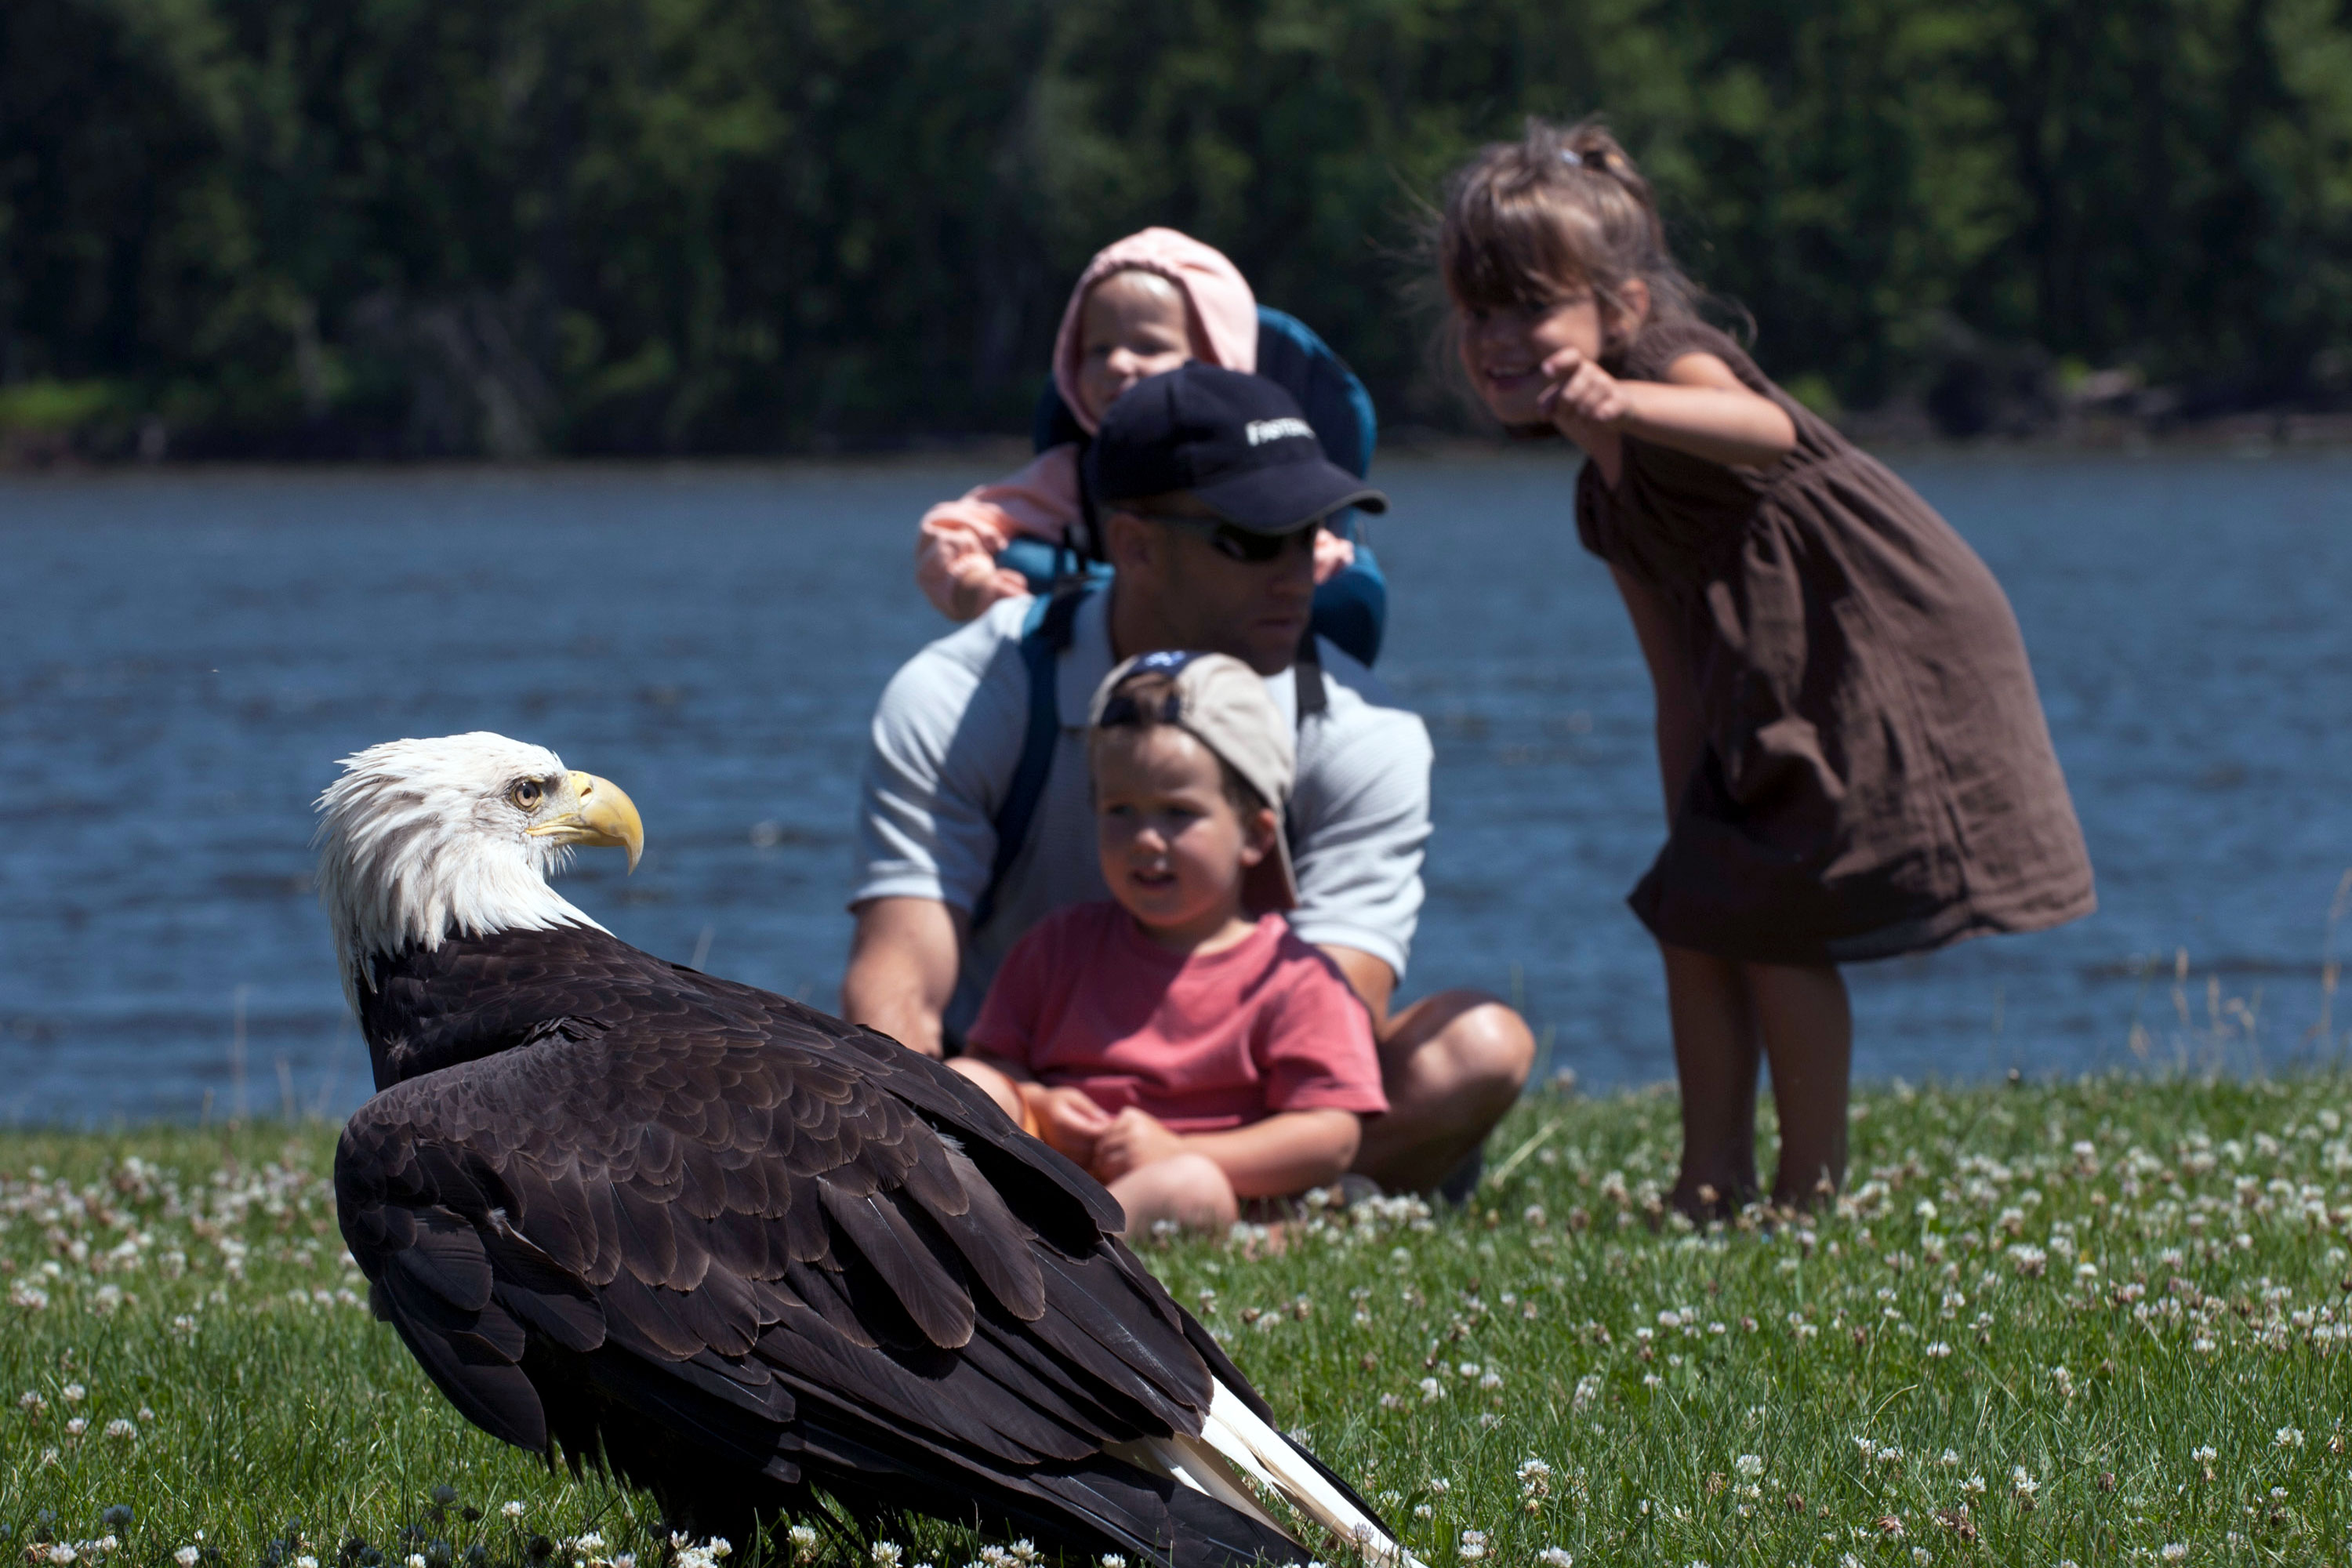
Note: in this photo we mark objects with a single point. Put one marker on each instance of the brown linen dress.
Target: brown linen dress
(1876, 777)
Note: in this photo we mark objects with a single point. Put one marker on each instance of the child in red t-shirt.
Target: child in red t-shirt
(1188, 1052)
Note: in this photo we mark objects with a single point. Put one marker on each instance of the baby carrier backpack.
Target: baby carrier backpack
(1352, 609)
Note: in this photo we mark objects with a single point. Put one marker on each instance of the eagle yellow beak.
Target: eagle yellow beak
(601, 813)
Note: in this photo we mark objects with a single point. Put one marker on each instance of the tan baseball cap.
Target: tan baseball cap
(1223, 703)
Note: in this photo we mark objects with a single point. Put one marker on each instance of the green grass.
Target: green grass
(1865, 1388)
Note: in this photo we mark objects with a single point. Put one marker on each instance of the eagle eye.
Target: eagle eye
(526, 794)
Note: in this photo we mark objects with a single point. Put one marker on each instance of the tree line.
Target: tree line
(397, 226)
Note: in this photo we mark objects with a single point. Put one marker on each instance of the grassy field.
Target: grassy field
(2098, 1323)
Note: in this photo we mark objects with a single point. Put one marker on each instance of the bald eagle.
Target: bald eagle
(738, 1251)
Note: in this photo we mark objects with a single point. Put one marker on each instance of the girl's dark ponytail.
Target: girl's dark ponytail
(1563, 207)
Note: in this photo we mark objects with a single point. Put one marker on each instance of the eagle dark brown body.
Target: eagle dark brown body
(742, 1251)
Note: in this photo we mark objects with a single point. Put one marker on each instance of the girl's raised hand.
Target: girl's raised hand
(1581, 397)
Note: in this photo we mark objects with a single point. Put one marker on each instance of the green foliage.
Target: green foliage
(383, 226)
(2091, 1321)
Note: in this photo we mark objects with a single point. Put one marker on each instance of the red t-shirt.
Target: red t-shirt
(1202, 1041)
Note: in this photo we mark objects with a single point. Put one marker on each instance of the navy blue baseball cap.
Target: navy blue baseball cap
(1237, 443)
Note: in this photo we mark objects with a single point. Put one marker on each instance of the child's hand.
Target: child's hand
(1581, 397)
(1068, 1119)
(1134, 1138)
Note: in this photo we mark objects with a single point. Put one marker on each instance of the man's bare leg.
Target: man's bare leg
(1451, 1064)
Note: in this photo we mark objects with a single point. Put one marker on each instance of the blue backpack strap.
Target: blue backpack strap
(1290, 352)
(1353, 608)
(1045, 634)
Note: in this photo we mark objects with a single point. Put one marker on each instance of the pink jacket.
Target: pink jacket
(956, 547)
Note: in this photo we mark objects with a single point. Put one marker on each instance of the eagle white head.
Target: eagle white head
(420, 840)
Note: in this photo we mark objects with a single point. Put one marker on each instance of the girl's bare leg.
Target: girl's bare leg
(1714, 1057)
(1707, 998)
(1807, 1024)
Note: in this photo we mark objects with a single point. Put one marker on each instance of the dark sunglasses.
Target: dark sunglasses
(1234, 542)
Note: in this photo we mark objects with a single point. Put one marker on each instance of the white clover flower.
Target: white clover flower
(1949, 1458)
(1937, 1350)
(31, 1297)
(2022, 1481)
(803, 1540)
(1113, 1560)
(186, 1557)
(885, 1554)
(73, 1393)
(29, 1400)
(1973, 1486)
(1554, 1557)
(77, 1426)
(1440, 1485)
(1474, 1545)
(512, 1509)
(1492, 1379)
(119, 1428)
(2289, 1437)
(414, 1559)
(1422, 1510)
(2205, 1456)
(305, 1560)
(2172, 1551)
(1432, 1391)
(589, 1544)
(61, 1554)
(1748, 1466)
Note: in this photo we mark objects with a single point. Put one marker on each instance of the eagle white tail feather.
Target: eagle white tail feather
(1197, 1465)
(1235, 1443)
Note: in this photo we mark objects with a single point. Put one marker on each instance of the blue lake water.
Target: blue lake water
(183, 658)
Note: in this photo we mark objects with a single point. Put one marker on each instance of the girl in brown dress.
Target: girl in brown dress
(1854, 760)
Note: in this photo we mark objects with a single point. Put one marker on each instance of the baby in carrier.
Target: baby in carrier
(1147, 304)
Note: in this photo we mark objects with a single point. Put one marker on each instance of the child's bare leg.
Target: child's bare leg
(1808, 1029)
(1187, 1188)
(1714, 1057)
(996, 1085)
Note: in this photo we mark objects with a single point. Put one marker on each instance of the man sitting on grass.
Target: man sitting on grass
(1177, 1040)
(1211, 489)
